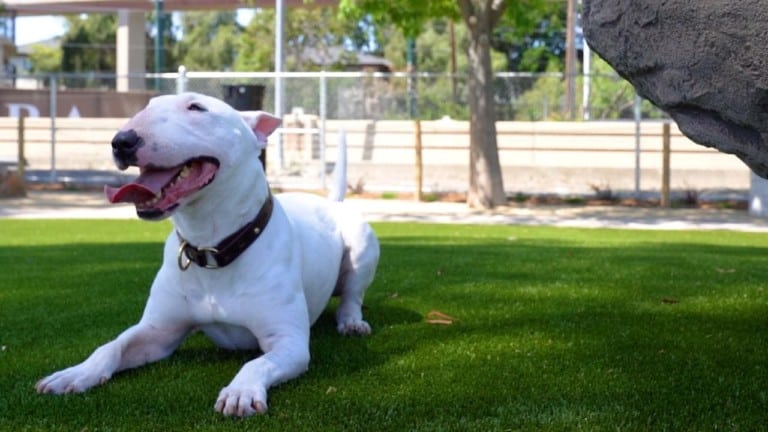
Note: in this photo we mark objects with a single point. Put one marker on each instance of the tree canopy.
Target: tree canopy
(215, 40)
(409, 16)
(310, 36)
(45, 59)
(89, 44)
(209, 41)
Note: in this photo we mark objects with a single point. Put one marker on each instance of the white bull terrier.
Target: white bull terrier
(249, 270)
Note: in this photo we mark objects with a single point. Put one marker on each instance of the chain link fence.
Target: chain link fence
(400, 96)
(394, 96)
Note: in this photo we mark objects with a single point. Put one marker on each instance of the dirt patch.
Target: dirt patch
(11, 186)
(557, 200)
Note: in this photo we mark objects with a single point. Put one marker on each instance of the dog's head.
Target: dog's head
(181, 145)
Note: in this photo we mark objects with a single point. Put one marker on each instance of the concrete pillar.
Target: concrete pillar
(758, 196)
(131, 50)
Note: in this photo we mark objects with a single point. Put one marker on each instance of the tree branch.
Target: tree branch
(496, 10)
(491, 11)
(467, 12)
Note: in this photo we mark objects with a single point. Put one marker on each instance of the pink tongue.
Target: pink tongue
(144, 188)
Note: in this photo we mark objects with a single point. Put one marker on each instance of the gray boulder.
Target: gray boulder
(705, 62)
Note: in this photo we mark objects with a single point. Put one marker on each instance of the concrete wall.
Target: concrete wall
(540, 157)
(537, 157)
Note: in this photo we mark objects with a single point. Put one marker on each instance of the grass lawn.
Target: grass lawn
(551, 329)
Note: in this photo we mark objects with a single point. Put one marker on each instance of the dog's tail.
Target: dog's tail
(339, 186)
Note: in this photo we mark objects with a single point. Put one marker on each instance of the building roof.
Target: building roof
(26, 49)
(333, 55)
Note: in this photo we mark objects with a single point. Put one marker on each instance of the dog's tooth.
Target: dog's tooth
(184, 172)
(151, 202)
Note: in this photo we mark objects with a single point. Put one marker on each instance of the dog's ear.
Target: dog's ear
(261, 123)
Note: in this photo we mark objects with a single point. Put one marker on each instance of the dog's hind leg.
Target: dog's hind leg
(358, 267)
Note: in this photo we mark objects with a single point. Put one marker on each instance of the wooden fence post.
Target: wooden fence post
(665, 174)
(17, 186)
(20, 152)
(419, 165)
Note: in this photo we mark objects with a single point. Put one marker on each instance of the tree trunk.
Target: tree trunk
(486, 186)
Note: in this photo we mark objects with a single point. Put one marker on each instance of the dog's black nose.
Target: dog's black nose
(125, 144)
(126, 141)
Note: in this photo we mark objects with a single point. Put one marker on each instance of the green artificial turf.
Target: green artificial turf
(538, 329)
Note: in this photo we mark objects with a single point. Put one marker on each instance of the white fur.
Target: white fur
(270, 295)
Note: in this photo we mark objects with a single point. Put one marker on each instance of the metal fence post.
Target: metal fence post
(638, 120)
(279, 85)
(159, 54)
(665, 174)
(181, 80)
(323, 114)
(22, 159)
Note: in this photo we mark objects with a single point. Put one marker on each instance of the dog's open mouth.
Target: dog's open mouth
(157, 191)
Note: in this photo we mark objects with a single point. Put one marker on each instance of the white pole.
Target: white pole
(323, 114)
(586, 84)
(279, 60)
(181, 80)
(53, 110)
(339, 186)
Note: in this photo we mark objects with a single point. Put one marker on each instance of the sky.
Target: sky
(38, 28)
(30, 29)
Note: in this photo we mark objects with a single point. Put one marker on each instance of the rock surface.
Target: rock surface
(704, 62)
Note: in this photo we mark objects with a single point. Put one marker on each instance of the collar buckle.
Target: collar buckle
(203, 256)
(213, 251)
(212, 258)
(183, 265)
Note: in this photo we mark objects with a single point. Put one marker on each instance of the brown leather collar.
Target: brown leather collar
(228, 249)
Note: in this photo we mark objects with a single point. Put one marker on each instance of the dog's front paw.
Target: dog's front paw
(241, 402)
(76, 379)
(353, 328)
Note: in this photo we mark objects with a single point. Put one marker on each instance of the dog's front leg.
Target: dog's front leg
(143, 343)
(284, 358)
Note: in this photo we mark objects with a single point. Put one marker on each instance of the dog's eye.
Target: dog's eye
(196, 106)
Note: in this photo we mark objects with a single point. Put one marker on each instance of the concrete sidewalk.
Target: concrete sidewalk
(93, 205)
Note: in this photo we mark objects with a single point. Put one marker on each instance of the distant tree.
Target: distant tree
(611, 97)
(209, 41)
(89, 43)
(530, 41)
(443, 94)
(310, 35)
(89, 46)
(168, 45)
(542, 100)
(255, 48)
(45, 59)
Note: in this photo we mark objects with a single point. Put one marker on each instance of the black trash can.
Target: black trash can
(246, 97)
